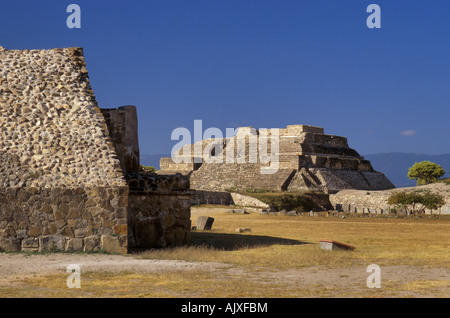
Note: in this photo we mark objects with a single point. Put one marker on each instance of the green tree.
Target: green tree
(423, 199)
(433, 201)
(425, 172)
(149, 169)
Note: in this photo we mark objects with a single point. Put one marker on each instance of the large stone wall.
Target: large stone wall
(64, 219)
(64, 165)
(61, 185)
(159, 211)
(123, 128)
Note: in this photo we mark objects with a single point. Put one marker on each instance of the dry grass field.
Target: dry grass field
(279, 257)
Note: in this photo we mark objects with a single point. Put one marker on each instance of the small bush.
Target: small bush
(149, 169)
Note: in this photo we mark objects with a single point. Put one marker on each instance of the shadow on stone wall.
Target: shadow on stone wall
(231, 242)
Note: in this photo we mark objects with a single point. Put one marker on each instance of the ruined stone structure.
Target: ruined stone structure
(308, 160)
(376, 202)
(69, 171)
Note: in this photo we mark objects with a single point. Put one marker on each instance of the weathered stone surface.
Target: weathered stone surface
(122, 123)
(9, 244)
(30, 244)
(52, 122)
(52, 243)
(64, 164)
(159, 211)
(34, 231)
(74, 244)
(307, 159)
(111, 244)
(330, 245)
(204, 223)
(148, 233)
(92, 243)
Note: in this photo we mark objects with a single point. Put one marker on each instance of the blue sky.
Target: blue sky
(260, 63)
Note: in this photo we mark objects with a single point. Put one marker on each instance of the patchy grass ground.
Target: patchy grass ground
(279, 257)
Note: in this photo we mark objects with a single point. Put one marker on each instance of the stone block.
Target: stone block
(74, 244)
(331, 245)
(243, 230)
(20, 234)
(9, 244)
(120, 229)
(240, 211)
(92, 243)
(30, 244)
(176, 236)
(23, 195)
(111, 244)
(51, 243)
(148, 233)
(204, 223)
(34, 231)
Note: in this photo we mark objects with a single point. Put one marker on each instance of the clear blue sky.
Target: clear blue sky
(260, 63)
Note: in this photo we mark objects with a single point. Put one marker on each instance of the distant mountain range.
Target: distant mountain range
(394, 165)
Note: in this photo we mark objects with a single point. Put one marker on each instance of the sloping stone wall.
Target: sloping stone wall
(51, 124)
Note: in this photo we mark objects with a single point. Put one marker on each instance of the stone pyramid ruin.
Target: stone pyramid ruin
(308, 160)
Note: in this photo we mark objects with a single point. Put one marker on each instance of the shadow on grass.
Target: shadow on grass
(231, 242)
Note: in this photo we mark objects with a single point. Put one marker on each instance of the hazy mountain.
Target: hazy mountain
(395, 165)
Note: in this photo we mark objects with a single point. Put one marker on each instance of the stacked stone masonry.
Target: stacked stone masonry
(167, 222)
(65, 164)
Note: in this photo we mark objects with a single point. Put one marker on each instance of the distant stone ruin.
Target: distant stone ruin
(69, 171)
(308, 160)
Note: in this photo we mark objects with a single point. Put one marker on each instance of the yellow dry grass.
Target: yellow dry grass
(283, 242)
(274, 244)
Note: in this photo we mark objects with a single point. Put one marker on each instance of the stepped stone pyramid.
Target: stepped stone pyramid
(308, 160)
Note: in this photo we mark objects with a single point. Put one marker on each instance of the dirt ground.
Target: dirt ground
(338, 282)
(397, 281)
